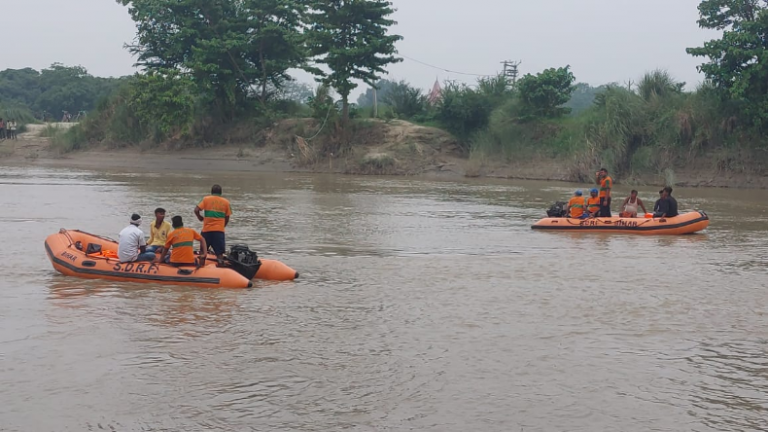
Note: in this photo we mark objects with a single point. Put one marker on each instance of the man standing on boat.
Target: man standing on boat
(214, 212)
(606, 184)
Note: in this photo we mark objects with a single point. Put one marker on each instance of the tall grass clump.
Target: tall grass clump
(20, 114)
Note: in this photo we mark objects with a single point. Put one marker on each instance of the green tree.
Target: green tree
(20, 86)
(275, 40)
(164, 103)
(544, 94)
(351, 37)
(71, 88)
(464, 111)
(406, 101)
(55, 89)
(583, 97)
(206, 38)
(227, 46)
(382, 87)
(738, 61)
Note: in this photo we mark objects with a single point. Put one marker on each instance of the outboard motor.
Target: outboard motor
(243, 260)
(557, 210)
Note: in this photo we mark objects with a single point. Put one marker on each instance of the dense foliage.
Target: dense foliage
(211, 66)
(543, 95)
(738, 61)
(351, 39)
(52, 91)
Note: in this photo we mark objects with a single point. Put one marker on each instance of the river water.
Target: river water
(422, 305)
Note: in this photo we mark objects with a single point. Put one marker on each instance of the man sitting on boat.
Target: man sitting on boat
(158, 231)
(577, 206)
(132, 247)
(630, 206)
(593, 203)
(666, 206)
(181, 245)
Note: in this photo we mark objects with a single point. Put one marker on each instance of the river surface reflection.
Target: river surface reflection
(423, 305)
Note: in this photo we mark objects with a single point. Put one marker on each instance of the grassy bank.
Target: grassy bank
(651, 131)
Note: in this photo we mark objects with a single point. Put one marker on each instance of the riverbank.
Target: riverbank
(396, 148)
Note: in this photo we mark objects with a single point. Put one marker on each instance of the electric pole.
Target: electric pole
(511, 70)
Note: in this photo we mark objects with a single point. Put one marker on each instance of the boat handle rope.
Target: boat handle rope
(607, 222)
(72, 242)
(66, 233)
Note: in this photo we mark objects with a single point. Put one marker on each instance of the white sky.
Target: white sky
(602, 40)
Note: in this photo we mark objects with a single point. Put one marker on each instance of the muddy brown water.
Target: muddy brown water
(423, 305)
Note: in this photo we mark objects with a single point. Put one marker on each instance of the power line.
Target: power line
(444, 69)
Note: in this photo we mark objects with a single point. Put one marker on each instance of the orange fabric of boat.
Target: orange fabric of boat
(276, 271)
(71, 261)
(684, 224)
(109, 254)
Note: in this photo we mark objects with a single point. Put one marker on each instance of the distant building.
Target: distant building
(436, 94)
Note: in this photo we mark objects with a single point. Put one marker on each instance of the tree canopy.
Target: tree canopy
(351, 39)
(738, 61)
(55, 89)
(544, 94)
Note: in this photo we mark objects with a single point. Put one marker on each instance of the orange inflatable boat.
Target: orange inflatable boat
(77, 253)
(687, 223)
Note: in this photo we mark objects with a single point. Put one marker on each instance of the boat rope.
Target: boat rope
(607, 222)
(66, 233)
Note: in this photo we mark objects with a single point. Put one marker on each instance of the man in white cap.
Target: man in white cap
(132, 244)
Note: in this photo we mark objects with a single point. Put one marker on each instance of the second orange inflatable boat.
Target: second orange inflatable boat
(687, 223)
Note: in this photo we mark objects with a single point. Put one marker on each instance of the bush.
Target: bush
(463, 111)
(406, 101)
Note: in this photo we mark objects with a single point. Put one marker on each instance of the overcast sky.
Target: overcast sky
(602, 40)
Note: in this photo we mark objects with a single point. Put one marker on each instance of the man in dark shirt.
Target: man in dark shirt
(666, 206)
(658, 201)
(672, 211)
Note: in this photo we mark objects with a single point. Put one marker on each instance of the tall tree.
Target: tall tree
(738, 61)
(544, 94)
(205, 38)
(275, 40)
(352, 37)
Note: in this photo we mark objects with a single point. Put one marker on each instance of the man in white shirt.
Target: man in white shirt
(132, 245)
